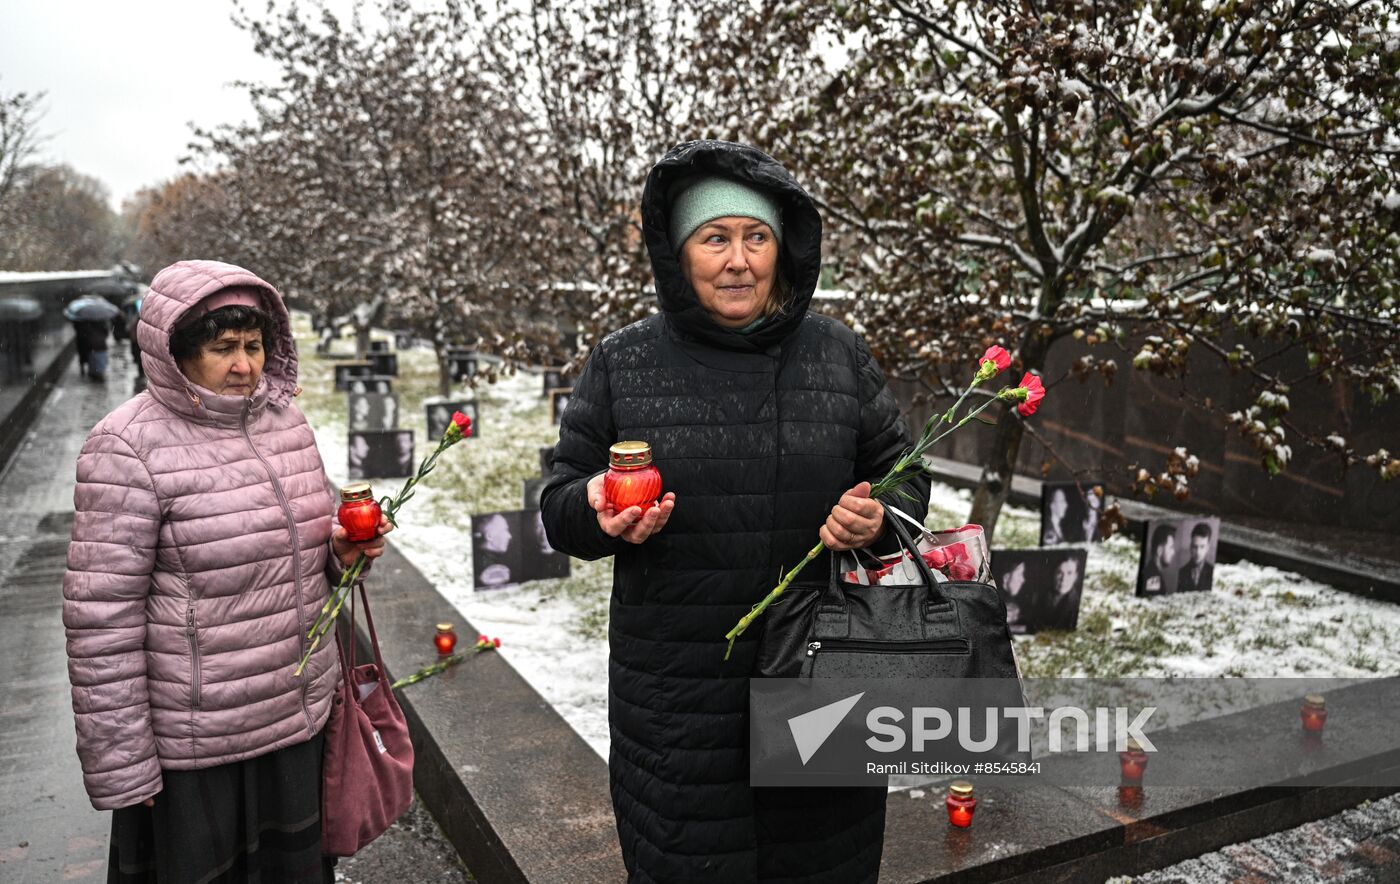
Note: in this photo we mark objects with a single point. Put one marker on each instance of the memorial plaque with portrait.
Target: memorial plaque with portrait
(345, 372)
(542, 561)
(403, 341)
(531, 491)
(381, 454)
(378, 347)
(1041, 587)
(1069, 512)
(370, 384)
(498, 545)
(373, 411)
(1178, 555)
(555, 379)
(440, 415)
(385, 364)
(462, 364)
(558, 401)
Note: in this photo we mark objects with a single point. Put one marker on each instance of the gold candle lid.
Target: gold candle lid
(1134, 745)
(629, 455)
(444, 627)
(356, 491)
(1315, 700)
(961, 788)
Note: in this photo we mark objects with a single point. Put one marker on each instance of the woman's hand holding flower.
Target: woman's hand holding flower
(346, 550)
(632, 525)
(855, 522)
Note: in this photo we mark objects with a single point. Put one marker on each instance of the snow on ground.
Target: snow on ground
(1258, 621)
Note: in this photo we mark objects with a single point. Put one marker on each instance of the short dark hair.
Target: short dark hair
(1202, 529)
(1162, 535)
(186, 341)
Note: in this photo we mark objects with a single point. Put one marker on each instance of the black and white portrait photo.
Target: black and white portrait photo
(378, 347)
(462, 364)
(381, 454)
(373, 411)
(497, 549)
(370, 384)
(555, 379)
(542, 561)
(1069, 512)
(558, 401)
(1041, 587)
(403, 341)
(531, 491)
(345, 372)
(440, 415)
(385, 364)
(1178, 555)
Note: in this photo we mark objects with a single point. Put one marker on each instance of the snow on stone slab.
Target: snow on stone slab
(1257, 622)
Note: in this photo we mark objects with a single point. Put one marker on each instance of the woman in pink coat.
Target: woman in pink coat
(203, 543)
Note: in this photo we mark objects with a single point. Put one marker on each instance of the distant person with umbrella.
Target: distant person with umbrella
(91, 317)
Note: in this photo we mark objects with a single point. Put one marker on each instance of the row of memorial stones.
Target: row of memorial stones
(509, 547)
(1042, 587)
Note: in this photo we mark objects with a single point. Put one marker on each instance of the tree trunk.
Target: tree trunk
(1000, 464)
(444, 374)
(362, 341)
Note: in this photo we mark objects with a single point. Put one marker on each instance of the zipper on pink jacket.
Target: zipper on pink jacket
(296, 550)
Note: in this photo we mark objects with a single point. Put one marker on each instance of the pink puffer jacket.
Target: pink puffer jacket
(199, 561)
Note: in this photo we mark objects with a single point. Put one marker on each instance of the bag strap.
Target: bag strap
(833, 600)
(369, 620)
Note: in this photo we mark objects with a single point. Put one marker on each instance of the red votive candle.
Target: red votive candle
(632, 479)
(961, 804)
(1134, 761)
(359, 512)
(1314, 712)
(445, 639)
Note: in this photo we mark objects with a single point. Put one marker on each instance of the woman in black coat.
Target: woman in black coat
(767, 423)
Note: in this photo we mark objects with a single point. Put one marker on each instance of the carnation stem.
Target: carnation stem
(772, 596)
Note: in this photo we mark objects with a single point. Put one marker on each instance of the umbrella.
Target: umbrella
(90, 309)
(113, 287)
(19, 309)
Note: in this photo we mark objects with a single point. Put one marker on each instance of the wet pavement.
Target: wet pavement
(48, 830)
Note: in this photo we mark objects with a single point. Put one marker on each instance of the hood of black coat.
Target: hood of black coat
(800, 253)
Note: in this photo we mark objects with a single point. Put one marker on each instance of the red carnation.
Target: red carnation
(496, 642)
(1034, 392)
(999, 356)
(463, 423)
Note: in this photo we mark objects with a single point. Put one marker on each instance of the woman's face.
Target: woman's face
(731, 264)
(229, 365)
(1058, 505)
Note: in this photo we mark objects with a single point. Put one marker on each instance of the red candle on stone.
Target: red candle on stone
(961, 804)
(1314, 712)
(632, 479)
(445, 639)
(1134, 761)
(359, 512)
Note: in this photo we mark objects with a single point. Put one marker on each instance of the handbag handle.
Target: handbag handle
(834, 600)
(349, 664)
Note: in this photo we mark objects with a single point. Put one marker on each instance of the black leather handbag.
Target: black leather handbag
(930, 629)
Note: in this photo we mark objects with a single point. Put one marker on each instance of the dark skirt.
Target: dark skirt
(255, 821)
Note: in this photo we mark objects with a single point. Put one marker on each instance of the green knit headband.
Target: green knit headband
(714, 197)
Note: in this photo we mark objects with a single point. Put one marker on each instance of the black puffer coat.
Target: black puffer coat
(758, 436)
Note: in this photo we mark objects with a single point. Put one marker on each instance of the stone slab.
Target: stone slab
(519, 793)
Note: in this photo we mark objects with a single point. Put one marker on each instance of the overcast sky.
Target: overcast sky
(124, 79)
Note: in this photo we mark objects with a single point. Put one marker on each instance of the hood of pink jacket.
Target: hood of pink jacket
(176, 290)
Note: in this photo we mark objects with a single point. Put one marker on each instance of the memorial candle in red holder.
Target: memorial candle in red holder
(359, 512)
(446, 639)
(961, 804)
(1133, 761)
(1314, 712)
(632, 479)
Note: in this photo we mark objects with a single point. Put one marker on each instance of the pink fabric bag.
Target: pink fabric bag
(367, 769)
